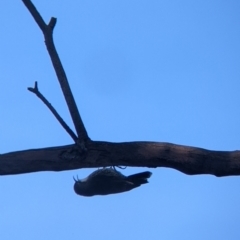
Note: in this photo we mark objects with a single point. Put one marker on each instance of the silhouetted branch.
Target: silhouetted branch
(189, 160)
(61, 75)
(54, 112)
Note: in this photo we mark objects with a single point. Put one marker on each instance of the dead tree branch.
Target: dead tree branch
(47, 30)
(54, 112)
(189, 160)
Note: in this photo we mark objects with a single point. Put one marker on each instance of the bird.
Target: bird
(109, 181)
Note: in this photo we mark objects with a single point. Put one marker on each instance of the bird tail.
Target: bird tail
(139, 178)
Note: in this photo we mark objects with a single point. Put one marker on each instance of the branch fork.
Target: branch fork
(85, 153)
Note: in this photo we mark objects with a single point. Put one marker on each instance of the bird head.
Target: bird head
(81, 187)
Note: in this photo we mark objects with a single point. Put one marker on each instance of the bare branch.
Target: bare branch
(189, 160)
(54, 112)
(36, 15)
(52, 23)
(61, 75)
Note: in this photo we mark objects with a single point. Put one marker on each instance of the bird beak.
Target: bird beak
(75, 179)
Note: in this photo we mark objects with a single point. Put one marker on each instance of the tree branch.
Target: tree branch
(61, 75)
(54, 112)
(189, 160)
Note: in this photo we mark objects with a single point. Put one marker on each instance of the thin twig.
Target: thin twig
(61, 75)
(53, 110)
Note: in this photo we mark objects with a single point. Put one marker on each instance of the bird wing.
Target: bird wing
(106, 174)
(108, 180)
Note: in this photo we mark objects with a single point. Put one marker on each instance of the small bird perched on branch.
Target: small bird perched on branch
(108, 181)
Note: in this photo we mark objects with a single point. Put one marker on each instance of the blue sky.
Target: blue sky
(165, 71)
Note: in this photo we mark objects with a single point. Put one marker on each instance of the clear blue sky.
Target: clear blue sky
(166, 71)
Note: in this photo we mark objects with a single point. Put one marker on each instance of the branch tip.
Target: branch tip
(36, 85)
(47, 30)
(52, 23)
(53, 110)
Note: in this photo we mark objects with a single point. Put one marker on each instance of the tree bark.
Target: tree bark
(91, 154)
(189, 160)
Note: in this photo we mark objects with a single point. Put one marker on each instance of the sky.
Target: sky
(165, 71)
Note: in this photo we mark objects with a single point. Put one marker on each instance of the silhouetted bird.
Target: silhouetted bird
(108, 181)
